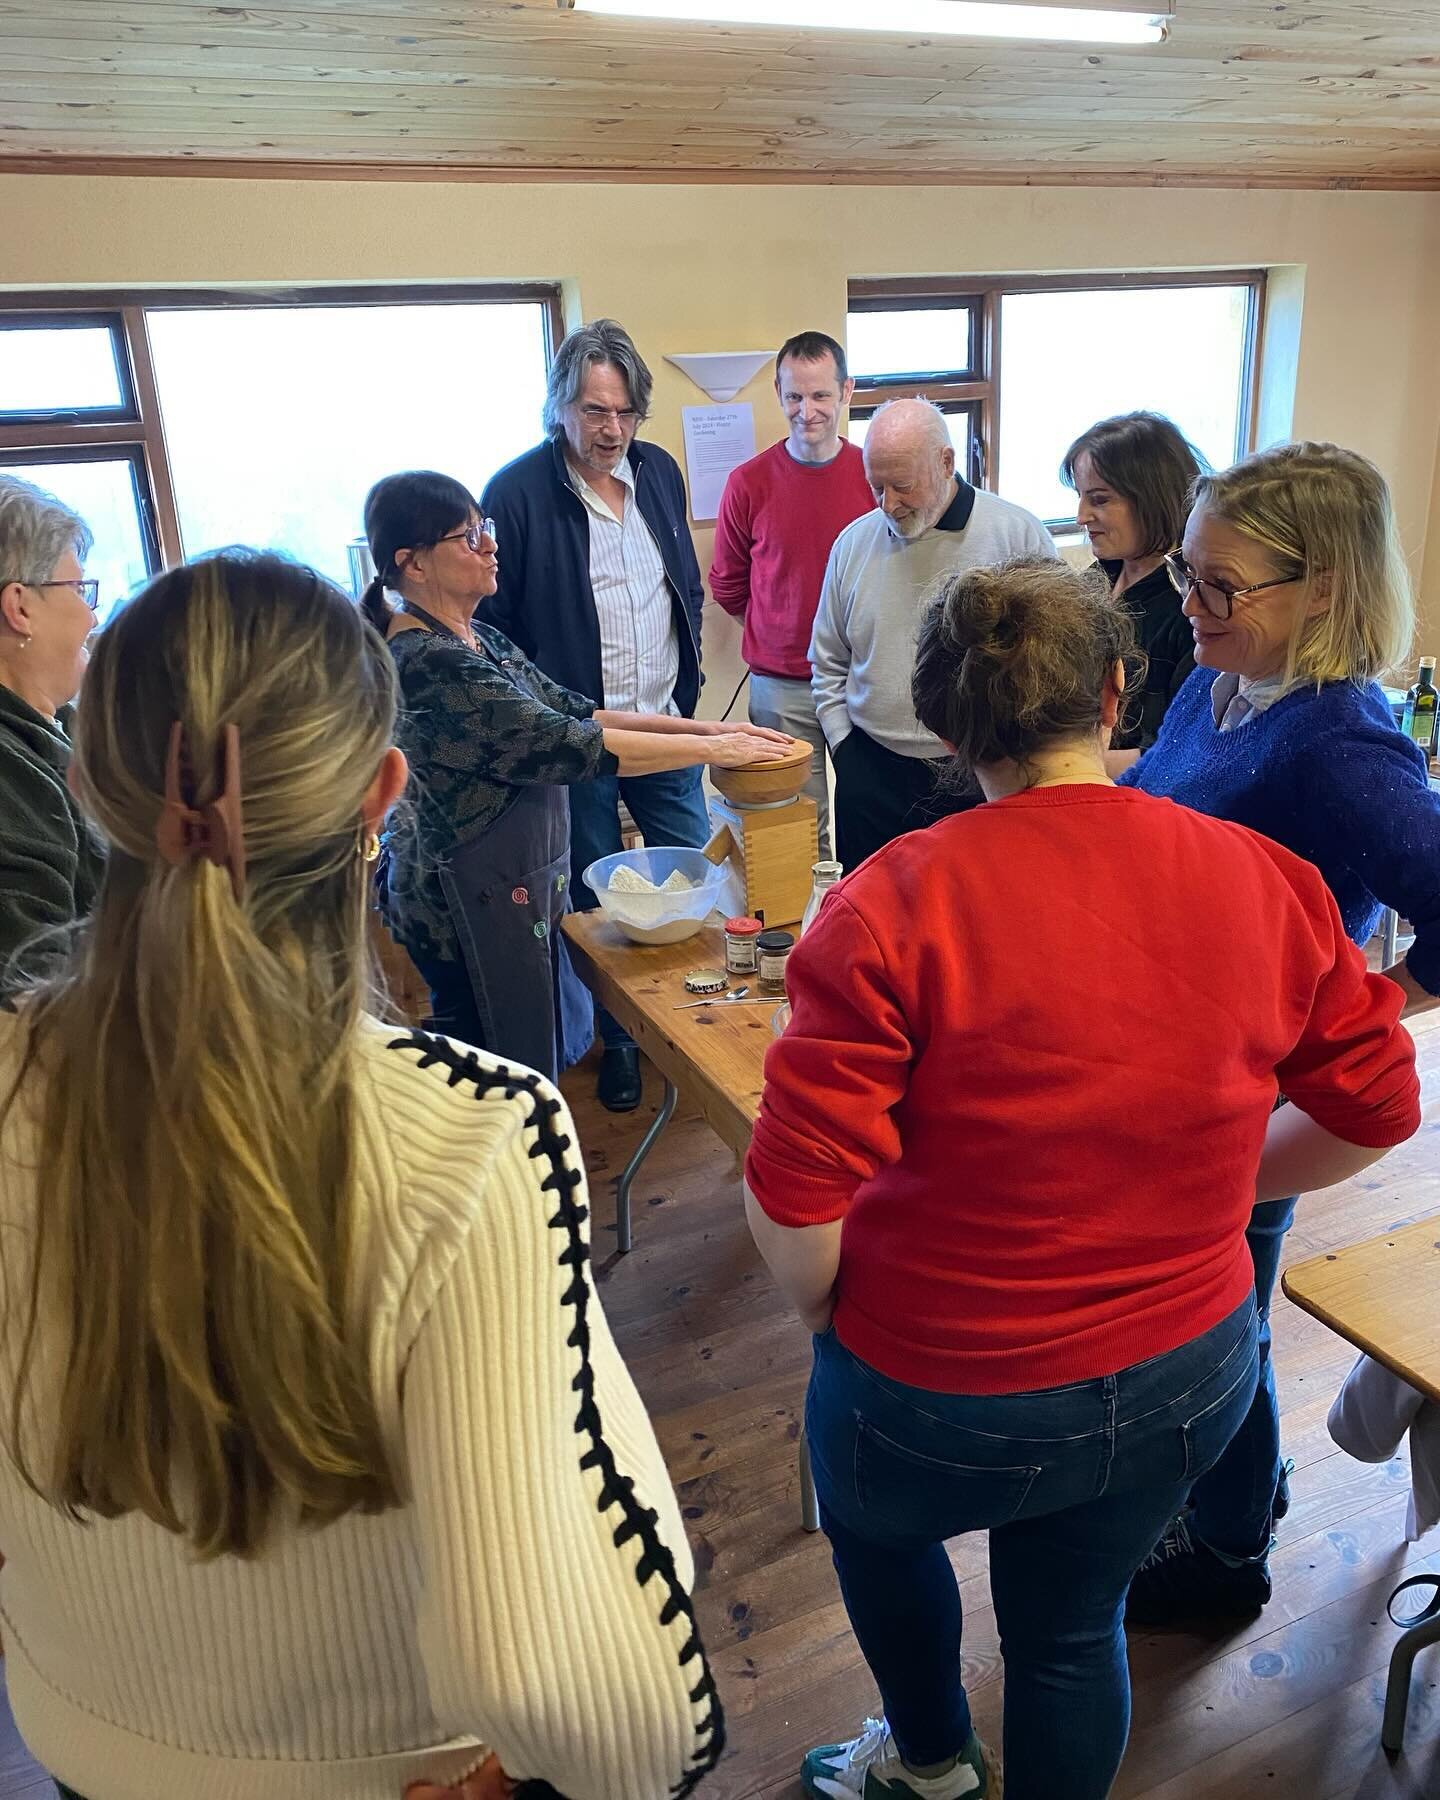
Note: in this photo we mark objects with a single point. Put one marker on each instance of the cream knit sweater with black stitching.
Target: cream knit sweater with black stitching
(530, 1597)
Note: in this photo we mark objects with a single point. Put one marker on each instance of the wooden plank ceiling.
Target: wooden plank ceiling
(1290, 93)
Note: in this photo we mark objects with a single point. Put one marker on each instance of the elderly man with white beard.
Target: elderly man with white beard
(927, 523)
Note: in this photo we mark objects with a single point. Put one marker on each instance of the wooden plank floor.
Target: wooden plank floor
(1286, 1706)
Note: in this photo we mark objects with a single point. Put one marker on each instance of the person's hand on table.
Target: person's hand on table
(488, 1782)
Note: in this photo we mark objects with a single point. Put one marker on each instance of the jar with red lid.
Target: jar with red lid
(741, 936)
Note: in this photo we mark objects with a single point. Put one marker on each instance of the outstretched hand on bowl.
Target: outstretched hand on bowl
(778, 741)
(739, 749)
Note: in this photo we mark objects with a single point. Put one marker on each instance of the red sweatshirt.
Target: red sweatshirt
(778, 519)
(1033, 1054)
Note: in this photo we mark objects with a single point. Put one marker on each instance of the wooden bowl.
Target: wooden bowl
(767, 783)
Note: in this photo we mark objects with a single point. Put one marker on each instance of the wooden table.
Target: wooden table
(715, 1055)
(1384, 1297)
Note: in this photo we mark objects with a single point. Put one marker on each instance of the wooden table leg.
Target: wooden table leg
(632, 1168)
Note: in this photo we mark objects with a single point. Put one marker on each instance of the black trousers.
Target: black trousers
(880, 796)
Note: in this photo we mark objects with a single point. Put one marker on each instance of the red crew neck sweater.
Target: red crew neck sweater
(1033, 1053)
(778, 520)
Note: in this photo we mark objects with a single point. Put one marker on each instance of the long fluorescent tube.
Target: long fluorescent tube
(955, 18)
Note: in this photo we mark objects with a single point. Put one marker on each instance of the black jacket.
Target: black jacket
(545, 603)
(50, 861)
(1167, 640)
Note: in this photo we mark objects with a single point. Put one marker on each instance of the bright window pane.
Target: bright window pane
(103, 493)
(1071, 359)
(279, 419)
(932, 340)
(45, 369)
(959, 423)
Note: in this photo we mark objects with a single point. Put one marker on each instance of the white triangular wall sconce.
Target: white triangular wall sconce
(722, 373)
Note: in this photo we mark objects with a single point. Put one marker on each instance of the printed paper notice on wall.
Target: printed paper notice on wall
(717, 440)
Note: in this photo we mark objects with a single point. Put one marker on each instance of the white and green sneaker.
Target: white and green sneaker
(869, 1768)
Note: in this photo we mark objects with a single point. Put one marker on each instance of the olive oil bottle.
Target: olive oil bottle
(1422, 708)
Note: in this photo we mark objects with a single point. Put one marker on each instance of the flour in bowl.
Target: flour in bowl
(626, 880)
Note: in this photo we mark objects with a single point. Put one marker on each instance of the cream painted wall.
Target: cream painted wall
(734, 267)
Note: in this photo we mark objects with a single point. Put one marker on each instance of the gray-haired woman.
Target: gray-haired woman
(50, 865)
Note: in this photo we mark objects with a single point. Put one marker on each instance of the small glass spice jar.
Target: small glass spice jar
(740, 936)
(772, 953)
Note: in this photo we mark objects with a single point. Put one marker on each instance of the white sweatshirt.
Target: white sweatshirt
(877, 587)
(531, 1595)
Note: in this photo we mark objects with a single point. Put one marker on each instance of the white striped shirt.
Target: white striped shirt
(639, 649)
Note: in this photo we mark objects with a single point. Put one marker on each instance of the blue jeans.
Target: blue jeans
(1074, 1485)
(1234, 1503)
(669, 808)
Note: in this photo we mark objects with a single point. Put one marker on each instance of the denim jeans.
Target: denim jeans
(1074, 1486)
(669, 808)
(1234, 1503)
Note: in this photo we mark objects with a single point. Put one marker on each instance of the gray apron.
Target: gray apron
(507, 892)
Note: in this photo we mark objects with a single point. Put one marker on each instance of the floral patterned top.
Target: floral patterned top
(476, 727)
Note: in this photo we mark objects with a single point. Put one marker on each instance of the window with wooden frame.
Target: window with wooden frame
(1022, 365)
(178, 422)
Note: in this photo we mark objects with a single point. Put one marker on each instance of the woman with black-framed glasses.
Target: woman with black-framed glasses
(1299, 602)
(50, 865)
(476, 875)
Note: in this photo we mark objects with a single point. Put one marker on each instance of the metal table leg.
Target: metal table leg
(632, 1168)
(1389, 932)
(1397, 1688)
(809, 1505)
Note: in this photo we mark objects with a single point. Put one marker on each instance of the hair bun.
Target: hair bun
(986, 614)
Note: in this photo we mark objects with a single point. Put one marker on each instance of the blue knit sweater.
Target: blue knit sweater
(1327, 774)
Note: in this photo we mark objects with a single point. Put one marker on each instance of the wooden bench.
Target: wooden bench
(1384, 1297)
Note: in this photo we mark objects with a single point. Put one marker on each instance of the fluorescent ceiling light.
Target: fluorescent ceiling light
(957, 18)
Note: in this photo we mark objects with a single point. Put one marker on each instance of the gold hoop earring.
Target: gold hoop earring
(369, 846)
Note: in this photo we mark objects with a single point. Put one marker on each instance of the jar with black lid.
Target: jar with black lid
(772, 953)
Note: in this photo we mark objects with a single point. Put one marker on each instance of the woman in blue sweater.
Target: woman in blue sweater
(1298, 598)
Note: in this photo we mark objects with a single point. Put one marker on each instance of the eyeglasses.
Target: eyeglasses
(88, 590)
(474, 536)
(1218, 601)
(622, 415)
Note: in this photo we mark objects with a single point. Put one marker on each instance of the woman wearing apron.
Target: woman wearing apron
(476, 875)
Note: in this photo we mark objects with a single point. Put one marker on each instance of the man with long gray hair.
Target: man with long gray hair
(599, 586)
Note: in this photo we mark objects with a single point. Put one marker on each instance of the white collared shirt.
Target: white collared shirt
(639, 648)
(1234, 700)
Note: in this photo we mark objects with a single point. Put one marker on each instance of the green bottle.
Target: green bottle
(1422, 708)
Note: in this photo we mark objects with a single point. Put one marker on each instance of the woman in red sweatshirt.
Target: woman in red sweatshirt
(1008, 1148)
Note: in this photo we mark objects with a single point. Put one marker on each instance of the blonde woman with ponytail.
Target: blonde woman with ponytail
(313, 1430)
(1298, 598)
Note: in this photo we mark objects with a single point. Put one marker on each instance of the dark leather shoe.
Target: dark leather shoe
(618, 1089)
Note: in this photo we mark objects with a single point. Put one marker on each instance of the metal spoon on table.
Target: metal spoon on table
(719, 1000)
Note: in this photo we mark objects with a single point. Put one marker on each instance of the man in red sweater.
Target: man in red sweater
(780, 514)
